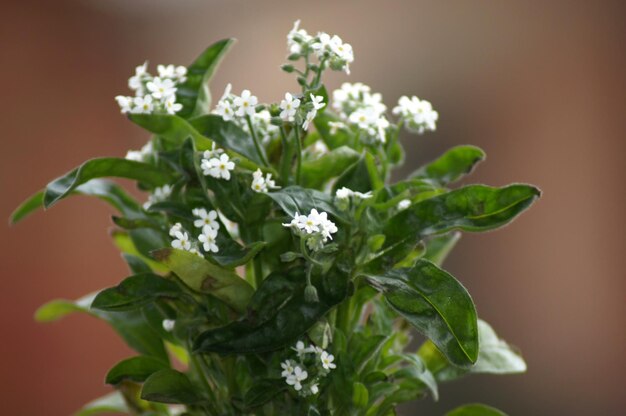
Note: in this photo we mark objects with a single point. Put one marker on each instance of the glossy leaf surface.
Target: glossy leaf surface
(135, 291)
(136, 369)
(452, 165)
(169, 386)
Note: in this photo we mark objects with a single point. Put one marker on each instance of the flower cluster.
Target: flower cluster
(306, 371)
(315, 227)
(330, 50)
(239, 108)
(359, 107)
(261, 183)
(216, 163)
(207, 222)
(418, 115)
(159, 194)
(153, 94)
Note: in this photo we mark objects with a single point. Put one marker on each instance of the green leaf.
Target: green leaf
(111, 403)
(278, 314)
(472, 208)
(169, 386)
(475, 409)
(194, 94)
(358, 177)
(136, 291)
(435, 303)
(228, 135)
(263, 391)
(233, 254)
(495, 356)
(130, 325)
(452, 165)
(172, 128)
(295, 199)
(104, 167)
(341, 138)
(360, 395)
(316, 173)
(126, 245)
(205, 277)
(421, 373)
(100, 188)
(136, 369)
(363, 347)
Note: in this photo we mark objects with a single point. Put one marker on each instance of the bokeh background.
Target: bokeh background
(539, 85)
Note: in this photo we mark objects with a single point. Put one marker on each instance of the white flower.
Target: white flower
(140, 155)
(208, 239)
(225, 110)
(168, 324)
(296, 38)
(309, 118)
(214, 152)
(344, 193)
(245, 104)
(404, 204)
(196, 252)
(271, 184)
(327, 361)
(366, 195)
(125, 103)
(326, 226)
(336, 125)
(171, 106)
(314, 389)
(316, 226)
(289, 106)
(135, 82)
(301, 349)
(159, 194)
(218, 167)
(258, 182)
(418, 115)
(312, 222)
(205, 219)
(181, 241)
(176, 228)
(174, 72)
(287, 367)
(143, 105)
(318, 101)
(322, 45)
(296, 378)
(161, 88)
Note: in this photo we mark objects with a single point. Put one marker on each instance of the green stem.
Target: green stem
(257, 263)
(318, 76)
(285, 161)
(298, 154)
(343, 317)
(257, 144)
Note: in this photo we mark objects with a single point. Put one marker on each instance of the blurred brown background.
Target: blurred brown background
(538, 85)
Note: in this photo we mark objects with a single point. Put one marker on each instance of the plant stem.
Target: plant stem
(257, 264)
(257, 144)
(285, 161)
(298, 154)
(343, 316)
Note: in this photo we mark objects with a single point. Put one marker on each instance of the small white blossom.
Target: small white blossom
(171, 106)
(309, 119)
(296, 38)
(125, 103)
(205, 219)
(289, 106)
(161, 88)
(258, 182)
(208, 240)
(245, 104)
(196, 252)
(318, 101)
(140, 155)
(344, 193)
(301, 349)
(296, 378)
(214, 152)
(404, 204)
(168, 324)
(225, 110)
(316, 227)
(288, 367)
(327, 361)
(142, 105)
(159, 194)
(174, 72)
(336, 126)
(181, 241)
(135, 82)
(314, 388)
(176, 228)
(218, 167)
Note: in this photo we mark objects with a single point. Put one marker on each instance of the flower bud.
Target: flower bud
(294, 57)
(287, 68)
(310, 294)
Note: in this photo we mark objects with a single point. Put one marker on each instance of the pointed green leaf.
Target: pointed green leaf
(130, 325)
(100, 188)
(136, 369)
(104, 167)
(435, 303)
(194, 94)
(205, 277)
(233, 254)
(475, 409)
(111, 403)
(317, 172)
(136, 291)
(263, 391)
(126, 245)
(169, 386)
(452, 165)
(472, 208)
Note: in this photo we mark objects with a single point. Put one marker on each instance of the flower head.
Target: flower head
(245, 104)
(208, 240)
(295, 379)
(205, 219)
(418, 115)
(219, 168)
(289, 106)
(181, 241)
(161, 88)
(327, 361)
